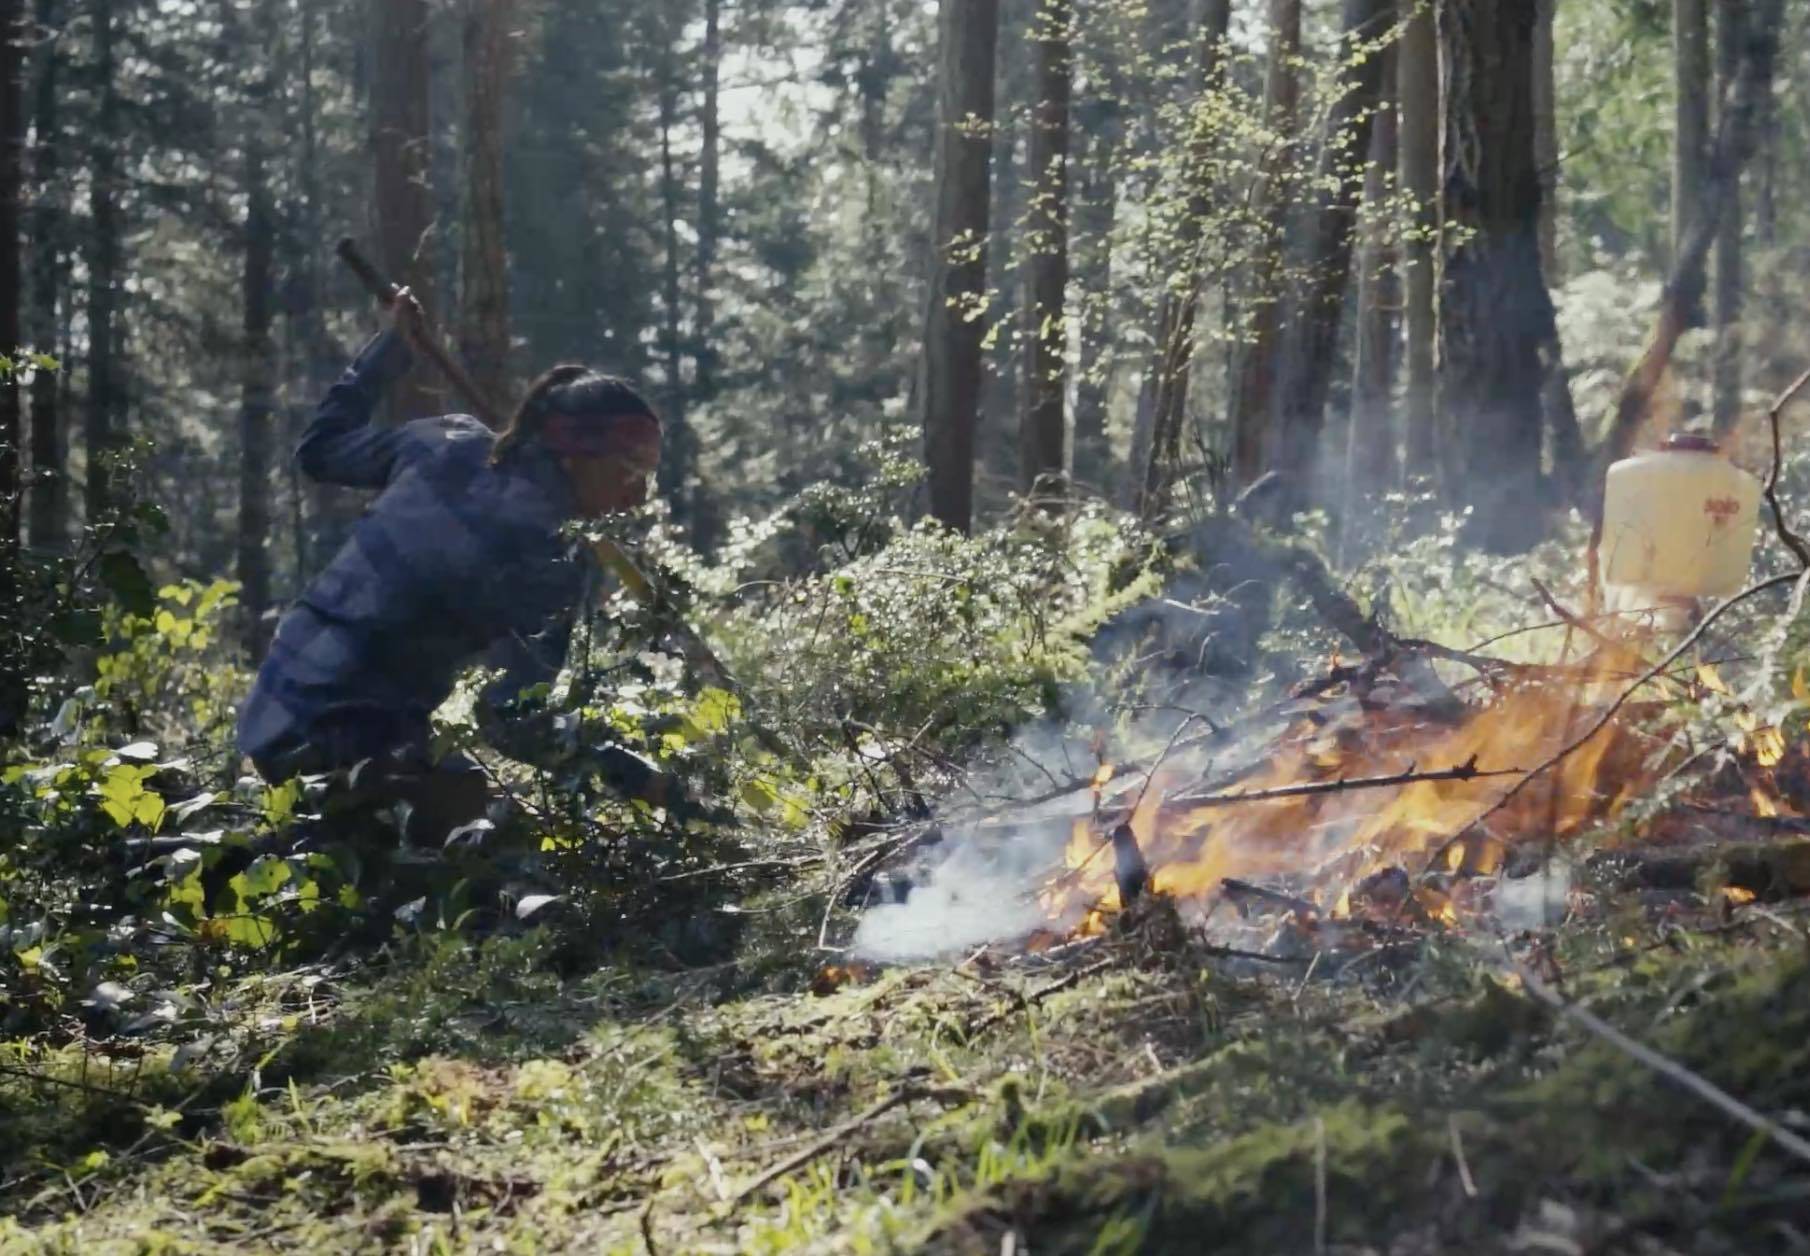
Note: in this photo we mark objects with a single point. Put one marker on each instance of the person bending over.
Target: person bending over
(459, 560)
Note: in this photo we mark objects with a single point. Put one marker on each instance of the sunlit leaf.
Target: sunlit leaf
(532, 903)
(266, 875)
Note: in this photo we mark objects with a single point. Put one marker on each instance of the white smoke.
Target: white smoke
(977, 895)
(981, 883)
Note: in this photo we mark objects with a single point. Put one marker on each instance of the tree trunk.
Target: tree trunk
(1733, 147)
(1095, 212)
(257, 366)
(1312, 344)
(103, 399)
(1766, 171)
(1570, 456)
(1172, 359)
(1417, 96)
(12, 189)
(488, 62)
(1041, 427)
(1370, 460)
(1546, 136)
(678, 457)
(997, 427)
(877, 71)
(953, 327)
(1730, 268)
(709, 198)
(1495, 312)
(1690, 115)
(402, 149)
(50, 491)
(1254, 396)
(331, 509)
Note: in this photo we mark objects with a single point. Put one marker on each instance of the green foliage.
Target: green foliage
(166, 668)
(55, 602)
(935, 634)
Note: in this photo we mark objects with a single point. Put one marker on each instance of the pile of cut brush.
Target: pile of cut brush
(1377, 802)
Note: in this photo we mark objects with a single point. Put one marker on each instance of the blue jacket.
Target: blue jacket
(456, 562)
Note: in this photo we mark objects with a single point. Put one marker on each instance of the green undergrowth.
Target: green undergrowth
(1130, 1097)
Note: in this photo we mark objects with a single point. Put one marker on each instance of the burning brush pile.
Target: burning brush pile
(1372, 802)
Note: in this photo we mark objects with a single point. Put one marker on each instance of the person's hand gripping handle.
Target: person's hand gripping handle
(403, 312)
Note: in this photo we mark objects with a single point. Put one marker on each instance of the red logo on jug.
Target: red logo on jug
(1721, 509)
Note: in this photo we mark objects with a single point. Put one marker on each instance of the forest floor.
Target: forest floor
(1133, 1092)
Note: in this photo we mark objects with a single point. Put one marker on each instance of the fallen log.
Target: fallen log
(1769, 870)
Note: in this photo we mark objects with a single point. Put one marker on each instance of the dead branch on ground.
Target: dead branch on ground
(1791, 539)
(1670, 1069)
(905, 1094)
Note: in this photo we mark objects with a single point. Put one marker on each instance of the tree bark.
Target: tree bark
(1730, 264)
(1417, 94)
(1172, 359)
(1546, 136)
(1370, 449)
(709, 198)
(1690, 113)
(1766, 170)
(1042, 430)
(103, 400)
(401, 147)
(1570, 456)
(1332, 230)
(997, 426)
(488, 67)
(257, 382)
(1254, 396)
(1095, 214)
(1734, 145)
(953, 326)
(1495, 311)
(49, 523)
(331, 509)
(678, 455)
(12, 190)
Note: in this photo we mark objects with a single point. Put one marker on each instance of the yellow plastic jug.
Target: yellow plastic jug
(1679, 521)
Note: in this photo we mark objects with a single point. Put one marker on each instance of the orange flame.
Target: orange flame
(1328, 843)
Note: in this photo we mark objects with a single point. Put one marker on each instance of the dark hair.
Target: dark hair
(567, 389)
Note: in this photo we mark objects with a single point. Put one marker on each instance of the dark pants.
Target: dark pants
(432, 798)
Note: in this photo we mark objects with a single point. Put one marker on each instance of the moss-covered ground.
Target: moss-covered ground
(1131, 1093)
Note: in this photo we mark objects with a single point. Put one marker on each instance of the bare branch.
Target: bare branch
(1792, 540)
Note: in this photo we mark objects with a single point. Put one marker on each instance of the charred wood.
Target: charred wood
(1769, 870)
(1128, 866)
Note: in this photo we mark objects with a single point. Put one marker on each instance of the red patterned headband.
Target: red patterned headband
(602, 436)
